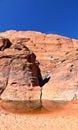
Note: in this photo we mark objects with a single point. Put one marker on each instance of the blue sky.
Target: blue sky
(47, 16)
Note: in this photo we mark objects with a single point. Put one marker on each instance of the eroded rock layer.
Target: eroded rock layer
(19, 71)
(58, 61)
(63, 84)
(49, 48)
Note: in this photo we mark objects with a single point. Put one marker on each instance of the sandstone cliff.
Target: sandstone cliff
(57, 56)
(19, 71)
(47, 47)
(63, 84)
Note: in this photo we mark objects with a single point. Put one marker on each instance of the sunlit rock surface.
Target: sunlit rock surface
(19, 72)
(63, 84)
(57, 56)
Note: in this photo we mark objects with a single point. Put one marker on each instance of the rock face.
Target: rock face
(19, 72)
(57, 56)
(63, 84)
(47, 47)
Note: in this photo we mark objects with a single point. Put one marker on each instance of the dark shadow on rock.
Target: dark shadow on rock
(43, 82)
(1, 90)
(34, 107)
(4, 43)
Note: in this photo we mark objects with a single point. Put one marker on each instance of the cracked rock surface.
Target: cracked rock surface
(63, 84)
(19, 72)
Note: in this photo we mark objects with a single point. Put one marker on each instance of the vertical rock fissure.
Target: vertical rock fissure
(41, 98)
(9, 72)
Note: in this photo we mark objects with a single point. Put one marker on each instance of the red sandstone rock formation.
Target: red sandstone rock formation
(52, 52)
(47, 47)
(58, 56)
(19, 72)
(63, 84)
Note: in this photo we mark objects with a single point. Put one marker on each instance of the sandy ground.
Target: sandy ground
(67, 119)
(38, 122)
